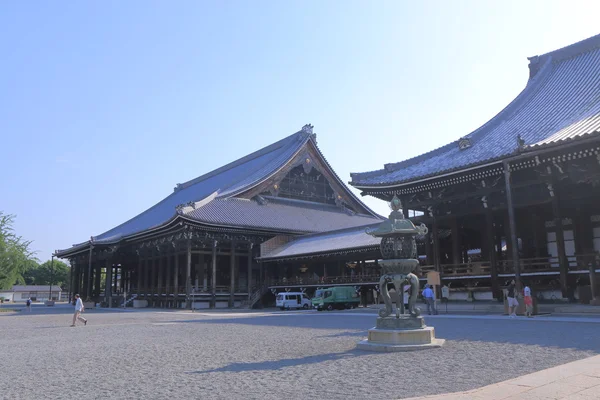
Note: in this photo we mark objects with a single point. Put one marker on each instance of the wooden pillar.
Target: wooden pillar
(153, 278)
(72, 262)
(168, 284)
(87, 281)
(188, 275)
(97, 276)
(436, 246)
(115, 276)
(139, 276)
(107, 288)
(535, 232)
(513, 226)
(491, 243)
(213, 280)
(146, 276)
(176, 281)
(456, 245)
(249, 275)
(232, 275)
(160, 290)
(428, 249)
(560, 240)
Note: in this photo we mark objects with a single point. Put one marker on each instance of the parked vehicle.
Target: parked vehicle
(337, 297)
(288, 300)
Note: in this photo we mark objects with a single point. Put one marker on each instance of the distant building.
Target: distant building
(20, 293)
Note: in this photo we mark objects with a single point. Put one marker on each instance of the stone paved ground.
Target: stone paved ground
(270, 355)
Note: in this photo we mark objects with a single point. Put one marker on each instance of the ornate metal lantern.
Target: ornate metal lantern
(399, 252)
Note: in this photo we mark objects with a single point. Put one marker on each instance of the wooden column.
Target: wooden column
(456, 245)
(73, 263)
(436, 246)
(491, 243)
(107, 286)
(146, 276)
(87, 281)
(560, 240)
(428, 249)
(160, 290)
(232, 275)
(249, 275)
(176, 281)
(153, 274)
(139, 276)
(513, 226)
(188, 275)
(168, 285)
(97, 276)
(213, 280)
(535, 231)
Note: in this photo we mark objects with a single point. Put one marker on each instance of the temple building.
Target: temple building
(200, 245)
(518, 198)
(521, 194)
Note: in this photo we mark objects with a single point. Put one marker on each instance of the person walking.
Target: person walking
(79, 308)
(28, 304)
(430, 299)
(511, 297)
(528, 301)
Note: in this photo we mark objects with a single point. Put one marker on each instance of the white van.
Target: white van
(287, 300)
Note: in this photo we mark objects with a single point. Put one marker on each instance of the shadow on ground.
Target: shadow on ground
(282, 363)
(584, 335)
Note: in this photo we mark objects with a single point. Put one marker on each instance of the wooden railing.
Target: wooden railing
(327, 280)
(181, 290)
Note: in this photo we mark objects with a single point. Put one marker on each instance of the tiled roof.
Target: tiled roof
(561, 102)
(278, 214)
(209, 199)
(224, 180)
(327, 242)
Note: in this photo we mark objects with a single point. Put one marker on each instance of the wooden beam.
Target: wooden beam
(213, 285)
(491, 243)
(188, 275)
(560, 242)
(512, 225)
(249, 273)
(232, 275)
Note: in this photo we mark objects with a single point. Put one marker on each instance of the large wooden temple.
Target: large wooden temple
(518, 198)
(198, 247)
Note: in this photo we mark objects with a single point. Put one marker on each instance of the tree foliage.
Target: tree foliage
(15, 254)
(46, 273)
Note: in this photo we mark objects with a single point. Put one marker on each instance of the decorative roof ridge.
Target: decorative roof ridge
(297, 202)
(566, 52)
(265, 150)
(342, 184)
(358, 228)
(302, 140)
(193, 205)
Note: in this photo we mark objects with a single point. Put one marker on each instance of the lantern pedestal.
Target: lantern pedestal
(400, 334)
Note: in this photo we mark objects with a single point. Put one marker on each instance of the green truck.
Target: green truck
(337, 297)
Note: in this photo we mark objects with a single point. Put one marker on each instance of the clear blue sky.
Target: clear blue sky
(105, 106)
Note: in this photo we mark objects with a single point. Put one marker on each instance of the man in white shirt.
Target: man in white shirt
(79, 308)
(430, 299)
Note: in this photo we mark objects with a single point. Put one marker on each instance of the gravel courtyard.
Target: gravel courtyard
(269, 355)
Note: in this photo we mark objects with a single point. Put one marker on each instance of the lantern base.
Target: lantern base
(400, 334)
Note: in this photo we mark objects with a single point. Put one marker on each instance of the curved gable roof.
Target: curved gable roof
(561, 101)
(223, 180)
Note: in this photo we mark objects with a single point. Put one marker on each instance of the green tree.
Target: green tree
(15, 253)
(45, 273)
